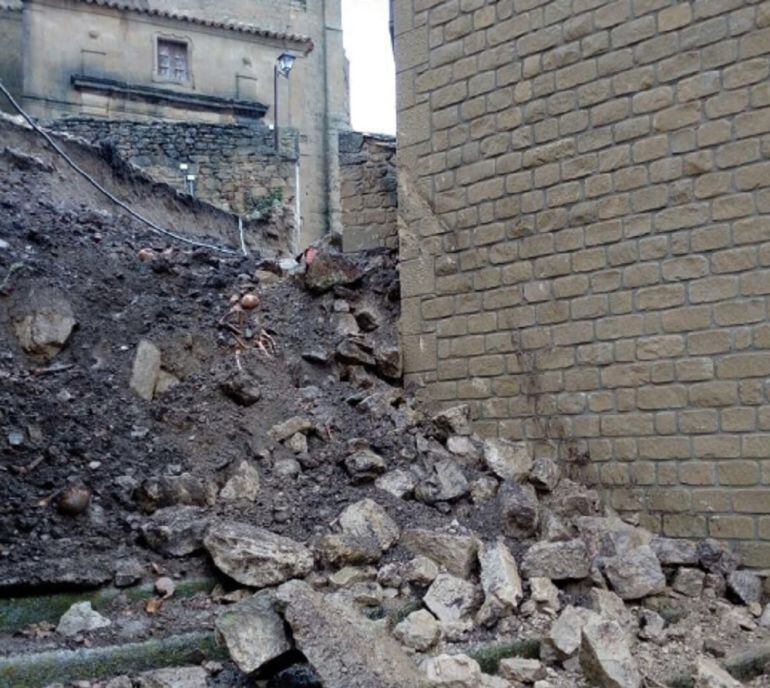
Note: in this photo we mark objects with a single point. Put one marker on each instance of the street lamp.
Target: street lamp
(283, 67)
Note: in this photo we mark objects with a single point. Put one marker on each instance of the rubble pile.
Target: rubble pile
(168, 412)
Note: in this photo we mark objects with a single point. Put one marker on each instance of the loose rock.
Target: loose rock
(346, 649)
(522, 670)
(328, 270)
(255, 556)
(456, 553)
(445, 482)
(745, 585)
(243, 483)
(419, 630)
(450, 598)
(364, 465)
(176, 530)
(253, 632)
(508, 460)
(708, 674)
(557, 560)
(81, 618)
(453, 421)
(452, 671)
(44, 322)
(399, 483)
(605, 656)
(145, 371)
(500, 581)
(518, 510)
(635, 574)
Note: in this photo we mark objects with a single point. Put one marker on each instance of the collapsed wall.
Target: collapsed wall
(584, 211)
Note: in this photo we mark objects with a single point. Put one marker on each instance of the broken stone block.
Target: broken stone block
(127, 572)
(522, 670)
(605, 656)
(484, 489)
(329, 270)
(419, 630)
(445, 483)
(452, 671)
(518, 509)
(145, 371)
(283, 431)
(544, 474)
(745, 585)
(176, 530)
(355, 351)
(689, 582)
(671, 552)
(341, 549)
(557, 560)
(253, 632)
(450, 598)
(651, 625)
(420, 570)
(508, 460)
(545, 594)
(456, 553)
(635, 574)
(764, 620)
(243, 483)
(44, 322)
(563, 640)
(81, 618)
(256, 557)
(609, 606)
(500, 581)
(389, 362)
(177, 677)
(346, 649)
(297, 443)
(715, 557)
(241, 388)
(367, 520)
(350, 575)
(399, 483)
(173, 490)
(708, 674)
(570, 500)
(453, 421)
(364, 465)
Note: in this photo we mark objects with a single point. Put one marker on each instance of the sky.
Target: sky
(372, 72)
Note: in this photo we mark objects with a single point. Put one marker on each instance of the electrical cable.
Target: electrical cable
(154, 227)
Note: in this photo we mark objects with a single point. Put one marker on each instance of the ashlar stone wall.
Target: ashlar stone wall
(368, 195)
(584, 200)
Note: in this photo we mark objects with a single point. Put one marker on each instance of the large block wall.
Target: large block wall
(584, 209)
(235, 165)
(368, 196)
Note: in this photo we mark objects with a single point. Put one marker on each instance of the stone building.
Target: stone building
(584, 209)
(198, 62)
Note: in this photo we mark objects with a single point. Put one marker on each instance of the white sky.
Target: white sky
(372, 72)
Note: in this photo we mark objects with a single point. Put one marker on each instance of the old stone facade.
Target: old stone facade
(368, 191)
(192, 61)
(584, 193)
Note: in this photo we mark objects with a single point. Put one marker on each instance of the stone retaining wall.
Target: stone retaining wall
(235, 166)
(584, 200)
(368, 190)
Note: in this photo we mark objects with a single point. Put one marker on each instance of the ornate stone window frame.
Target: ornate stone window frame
(157, 78)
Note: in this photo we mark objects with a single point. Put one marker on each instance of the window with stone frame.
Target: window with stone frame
(173, 60)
